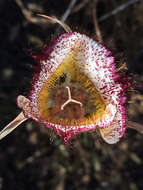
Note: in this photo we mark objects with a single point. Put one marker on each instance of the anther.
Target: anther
(70, 99)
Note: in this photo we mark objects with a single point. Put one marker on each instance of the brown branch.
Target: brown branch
(29, 14)
(136, 126)
(66, 14)
(96, 26)
(55, 20)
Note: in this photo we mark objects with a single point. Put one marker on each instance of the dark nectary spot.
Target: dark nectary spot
(62, 78)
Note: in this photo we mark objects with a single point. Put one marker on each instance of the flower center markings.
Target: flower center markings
(84, 104)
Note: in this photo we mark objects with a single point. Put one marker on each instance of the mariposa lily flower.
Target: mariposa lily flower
(76, 89)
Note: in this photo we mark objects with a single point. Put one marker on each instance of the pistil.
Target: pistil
(70, 100)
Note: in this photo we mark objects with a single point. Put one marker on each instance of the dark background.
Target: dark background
(33, 157)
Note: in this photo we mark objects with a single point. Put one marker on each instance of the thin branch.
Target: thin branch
(136, 126)
(96, 26)
(79, 6)
(29, 14)
(67, 13)
(118, 9)
(69, 9)
(55, 20)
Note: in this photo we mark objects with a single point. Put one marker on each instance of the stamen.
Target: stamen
(70, 100)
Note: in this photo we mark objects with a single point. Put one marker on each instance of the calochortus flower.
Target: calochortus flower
(76, 89)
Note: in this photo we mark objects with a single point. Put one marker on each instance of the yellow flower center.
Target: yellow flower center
(87, 105)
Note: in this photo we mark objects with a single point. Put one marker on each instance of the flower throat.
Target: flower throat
(69, 97)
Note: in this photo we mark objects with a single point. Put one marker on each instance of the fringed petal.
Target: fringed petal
(85, 64)
(115, 131)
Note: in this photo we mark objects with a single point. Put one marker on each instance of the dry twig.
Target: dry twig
(136, 126)
(79, 6)
(67, 13)
(96, 26)
(29, 14)
(55, 20)
(69, 9)
(118, 9)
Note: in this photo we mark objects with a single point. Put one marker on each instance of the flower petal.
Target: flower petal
(115, 131)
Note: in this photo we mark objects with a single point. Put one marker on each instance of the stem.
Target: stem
(12, 125)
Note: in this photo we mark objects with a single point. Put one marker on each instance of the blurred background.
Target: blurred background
(33, 157)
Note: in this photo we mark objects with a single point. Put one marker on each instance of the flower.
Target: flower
(76, 88)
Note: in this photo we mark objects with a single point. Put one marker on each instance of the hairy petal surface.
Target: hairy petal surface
(84, 65)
